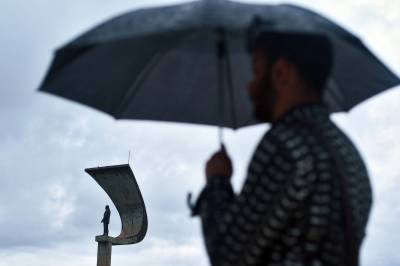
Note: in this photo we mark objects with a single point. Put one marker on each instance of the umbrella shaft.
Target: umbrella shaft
(221, 55)
(224, 67)
(221, 136)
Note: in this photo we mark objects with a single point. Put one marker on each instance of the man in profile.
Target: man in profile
(106, 220)
(307, 196)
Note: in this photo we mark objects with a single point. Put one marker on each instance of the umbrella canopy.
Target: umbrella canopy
(162, 64)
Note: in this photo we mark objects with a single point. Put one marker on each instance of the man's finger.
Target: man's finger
(219, 156)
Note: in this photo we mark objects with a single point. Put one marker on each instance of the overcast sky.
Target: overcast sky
(50, 209)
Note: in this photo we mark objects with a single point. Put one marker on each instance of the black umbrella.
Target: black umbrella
(188, 63)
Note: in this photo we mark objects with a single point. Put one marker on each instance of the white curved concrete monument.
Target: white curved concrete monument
(119, 182)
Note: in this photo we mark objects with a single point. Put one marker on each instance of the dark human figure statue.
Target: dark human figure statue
(106, 220)
(307, 196)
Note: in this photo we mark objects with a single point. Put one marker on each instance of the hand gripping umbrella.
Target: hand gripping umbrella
(188, 63)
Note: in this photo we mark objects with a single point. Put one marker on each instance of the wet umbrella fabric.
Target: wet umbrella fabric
(161, 63)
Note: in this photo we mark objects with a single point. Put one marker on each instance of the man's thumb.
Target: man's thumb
(223, 150)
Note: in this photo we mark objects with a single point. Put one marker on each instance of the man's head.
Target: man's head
(107, 207)
(288, 70)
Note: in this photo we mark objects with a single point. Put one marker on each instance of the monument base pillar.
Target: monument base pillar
(104, 250)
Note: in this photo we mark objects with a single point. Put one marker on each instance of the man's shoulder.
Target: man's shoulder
(304, 135)
(285, 136)
(279, 140)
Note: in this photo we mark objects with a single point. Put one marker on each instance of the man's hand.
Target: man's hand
(219, 165)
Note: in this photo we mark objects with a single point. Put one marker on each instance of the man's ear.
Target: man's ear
(282, 73)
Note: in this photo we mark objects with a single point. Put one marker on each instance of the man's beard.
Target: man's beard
(264, 106)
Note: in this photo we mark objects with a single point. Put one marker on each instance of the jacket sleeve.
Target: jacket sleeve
(211, 206)
(239, 229)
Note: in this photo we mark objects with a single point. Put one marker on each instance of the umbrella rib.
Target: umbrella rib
(138, 81)
(335, 94)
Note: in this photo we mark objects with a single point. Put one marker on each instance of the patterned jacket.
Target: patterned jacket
(290, 209)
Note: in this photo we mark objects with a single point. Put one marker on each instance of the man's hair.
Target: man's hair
(310, 53)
